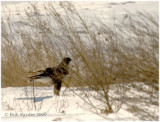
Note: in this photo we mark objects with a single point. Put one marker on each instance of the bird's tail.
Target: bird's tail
(31, 78)
(35, 71)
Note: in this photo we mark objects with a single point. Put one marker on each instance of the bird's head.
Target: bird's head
(67, 60)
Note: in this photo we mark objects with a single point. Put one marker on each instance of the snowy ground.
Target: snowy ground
(105, 11)
(18, 103)
(93, 12)
(48, 107)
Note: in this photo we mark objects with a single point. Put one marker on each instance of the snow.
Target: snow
(50, 107)
(18, 102)
(103, 10)
(18, 105)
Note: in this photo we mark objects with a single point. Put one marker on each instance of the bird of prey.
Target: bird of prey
(53, 75)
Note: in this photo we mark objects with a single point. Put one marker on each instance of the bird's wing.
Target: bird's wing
(44, 76)
(50, 71)
(62, 70)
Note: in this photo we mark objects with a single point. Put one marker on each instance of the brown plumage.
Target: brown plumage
(53, 75)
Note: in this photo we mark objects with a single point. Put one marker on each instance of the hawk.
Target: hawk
(53, 75)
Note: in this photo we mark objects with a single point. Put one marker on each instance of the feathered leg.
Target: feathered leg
(57, 88)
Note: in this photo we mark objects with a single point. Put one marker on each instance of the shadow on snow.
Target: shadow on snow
(36, 99)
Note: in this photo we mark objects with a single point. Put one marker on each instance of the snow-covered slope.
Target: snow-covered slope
(18, 105)
(103, 10)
